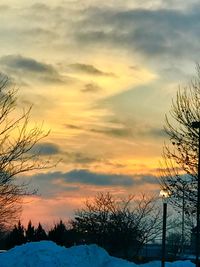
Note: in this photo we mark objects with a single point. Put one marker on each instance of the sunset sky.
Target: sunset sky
(101, 75)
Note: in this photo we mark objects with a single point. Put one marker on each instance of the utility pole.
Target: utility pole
(164, 234)
(183, 221)
(196, 125)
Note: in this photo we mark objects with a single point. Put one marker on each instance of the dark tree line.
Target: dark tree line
(122, 227)
(20, 235)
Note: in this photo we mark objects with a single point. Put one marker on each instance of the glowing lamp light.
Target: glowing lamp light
(164, 194)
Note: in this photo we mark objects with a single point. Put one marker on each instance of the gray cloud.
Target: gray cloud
(46, 149)
(90, 69)
(85, 159)
(158, 31)
(68, 157)
(129, 129)
(132, 131)
(54, 183)
(152, 32)
(146, 179)
(167, 32)
(17, 64)
(118, 131)
(27, 64)
(84, 176)
(114, 131)
(74, 127)
(91, 88)
(82, 158)
(87, 177)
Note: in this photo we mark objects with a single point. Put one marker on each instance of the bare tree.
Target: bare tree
(17, 139)
(179, 165)
(120, 226)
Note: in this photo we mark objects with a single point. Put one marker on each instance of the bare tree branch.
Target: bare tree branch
(120, 226)
(179, 164)
(17, 139)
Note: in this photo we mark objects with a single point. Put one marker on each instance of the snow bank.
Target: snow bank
(168, 264)
(48, 254)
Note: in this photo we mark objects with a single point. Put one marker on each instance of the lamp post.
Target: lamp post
(183, 219)
(196, 125)
(164, 194)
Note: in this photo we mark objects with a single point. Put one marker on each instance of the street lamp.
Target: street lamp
(196, 125)
(164, 194)
(183, 219)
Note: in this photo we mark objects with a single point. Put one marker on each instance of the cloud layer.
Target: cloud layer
(17, 64)
(78, 177)
(45, 149)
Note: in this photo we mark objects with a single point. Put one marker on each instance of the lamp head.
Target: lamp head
(164, 194)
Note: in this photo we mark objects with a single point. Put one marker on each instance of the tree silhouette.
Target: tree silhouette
(30, 232)
(179, 165)
(40, 233)
(17, 139)
(16, 236)
(59, 233)
(121, 227)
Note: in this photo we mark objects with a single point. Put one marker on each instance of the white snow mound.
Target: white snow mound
(48, 254)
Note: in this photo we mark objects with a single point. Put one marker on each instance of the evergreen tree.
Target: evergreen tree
(30, 232)
(16, 237)
(40, 233)
(58, 233)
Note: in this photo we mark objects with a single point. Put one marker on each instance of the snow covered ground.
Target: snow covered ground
(48, 254)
